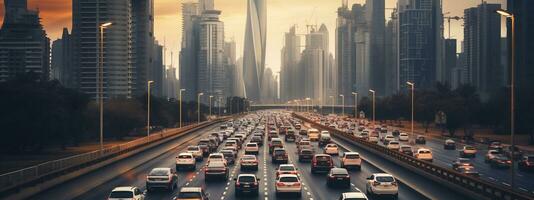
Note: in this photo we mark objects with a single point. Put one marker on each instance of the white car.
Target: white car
(353, 196)
(288, 183)
(126, 193)
(217, 157)
(424, 154)
(382, 184)
(252, 148)
(468, 151)
(185, 160)
(162, 178)
(196, 151)
(373, 139)
(404, 137)
(351, 159)
(388, 138)
(331, 149)
(393, 145)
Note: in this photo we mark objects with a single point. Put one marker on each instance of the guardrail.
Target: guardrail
(28, 175)
(471, 184)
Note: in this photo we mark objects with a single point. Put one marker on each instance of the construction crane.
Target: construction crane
(449, 18)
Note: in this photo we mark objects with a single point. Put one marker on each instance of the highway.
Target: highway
(133, 171)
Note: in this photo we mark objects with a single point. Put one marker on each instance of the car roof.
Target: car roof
(162, 169)
(185, 154)
(337, 170)
(354, 195)
(123, 188)
(243, 175)
(287, 175)
(216, 164)
(191, 189)
(383, 174)
(352, 153)
(287, 165)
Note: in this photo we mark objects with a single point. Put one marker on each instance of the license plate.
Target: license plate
(247, 186)
(340, 179)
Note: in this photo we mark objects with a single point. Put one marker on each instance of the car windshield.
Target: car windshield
(323, 158)
(247, 179)
(188, 195)
(121, 194)
(384, 179)
(251, 145)
(276, 142)
(184, 156)
(353, 156)
(287, 168)
(215, 156)
(279, 152)
(289, 179)
(424, 151)
(306, 152)
(159, 172)
(530, 159)
(470, 148)
(192, 149)
(406, 148)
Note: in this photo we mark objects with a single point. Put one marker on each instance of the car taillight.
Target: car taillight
(296, 184)
(255, 183)
(280, 184)
(237, 184)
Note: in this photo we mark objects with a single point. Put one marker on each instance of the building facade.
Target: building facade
(290, 74)
(188, 58)
(62, 65)
(254, 48)
(143, 44)
(211, 68)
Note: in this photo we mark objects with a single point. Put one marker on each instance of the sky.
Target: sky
(282, 14)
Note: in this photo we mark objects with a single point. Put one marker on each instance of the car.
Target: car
(526, 163)
(501, 162)
(393, 145)
(420, 139)
(324, 138)
(271, 135)
(286, 169)
(279, 155)
(468, 151)
(304, 144)
(246, 184)
(313, 134)
(382, 184)
(351, 160)
(387, 139)
(257, 140)
(204, 145)
(404, 137)
(517, 153)
(252, 148)
(229, 156)
(249, 162)
(338, 176)
(321, 162)
(275, 143)
(395, 133)
(495, 145)
(161, 178)
(126, 193)
(331, 149)
(216, 169)
(468, 171)
(288, 183)
(424, 154)
(358, 195)
(185, 160)
(298, 126)
(216, 157)
(491, 154)
(373, 139)
(290, 136)
(303, 132)
(449, 144)
(406, 149)
(305, 155)
(383, 130)
(233, 149)
(196, 151)
(192, 193)
(461, 162)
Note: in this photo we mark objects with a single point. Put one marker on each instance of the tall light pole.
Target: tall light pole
(211, 97)
(510, 15)
(180, 94)
(355, 104)
(374, 108)
(148, 110)
(198, 108)
(308, 104)
(332, 97)
(220, 104)
(342, 104)
(412, 86)
(100, 82)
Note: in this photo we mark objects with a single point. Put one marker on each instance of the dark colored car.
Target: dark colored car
(324, 140)
(449, 145)
(420, 139)
(274, 144)
(321, 162)
(526, 163)
(467, 170)
(279, 156)
(305, 155)
(501, 162)
(517, 153)
(461, 162)
(246, 184)
(395, 133)
(216, 170)
(303, 132)
(338, 176)
(290, 136)
(204, 145)
(229, 156)
(257, 140)
(406, 149)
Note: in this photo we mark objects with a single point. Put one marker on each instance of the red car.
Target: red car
(321, 162)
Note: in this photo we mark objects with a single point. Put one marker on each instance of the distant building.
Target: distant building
(63, 68)
(315, 61)
(142, 45)
(346, 49)
(291, 74)
(254, 48)
(450, 60)
(524, 46)
(391, 55)
(230, 69)
(24, 46)
(375, 21)
(189, 50)
(211, 69)
(172, 84)
(157, 71)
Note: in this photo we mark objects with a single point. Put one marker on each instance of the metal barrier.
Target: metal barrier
(478, 186)
(27, 175)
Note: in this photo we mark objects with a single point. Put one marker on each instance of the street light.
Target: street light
(181, 90)
(198, 104)
(211, 96)
(148, 111)
(355, 104)
(308, 104)
(342, 104)
(332, 97)
(100, 83)
(220, 104)
(374, 108)
(412, 86)
(510, 15)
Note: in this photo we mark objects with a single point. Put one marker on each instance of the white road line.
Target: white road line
(226, 188)
(222, 197)
(309, 194)
(266, 193)
(491, 178)
(507, 184)
(186, 184)
(523, 189)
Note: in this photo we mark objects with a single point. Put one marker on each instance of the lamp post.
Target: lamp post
(220, 104)
(308, 104)
(148, 110)
(332, 97)
(412, 87)
(510, 15)
(211, 97)
(198, 108)
(355, 104)
(374, 108)
(100, 83)
(342, 104)
(180, 94)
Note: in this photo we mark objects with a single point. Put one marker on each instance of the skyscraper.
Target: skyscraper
(254, 48)
(346, 49)
(315, 61)
(449, 61)
(24, 46)
(230, 68)
(62, 66)
(482, 47)
(142, 44)
(391, 56)
(291, 74)
(87, 16)
(375, 18)
(211, 69)
(188, 52)
(157, 71)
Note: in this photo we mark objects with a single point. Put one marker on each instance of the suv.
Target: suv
(424, 154)
(275, 142)
(204, 145)
(286, 169)
(229, 156)
(216, 157)
(358, 195)
(279, 155)
(257, 140)
(246, 183)
(324, 139)
(420, 139)
(249, 162)
(185, 160)
(526, 163)
(271, 135)
(406, 149)
(468, 151)
(288, 183)
(449, 144)
(305, 155)
(338, 176)
(351, 159)
(331, 149)
(161, 178)
(196, 151)
(126, 193)
(321, 162)
(382, 184)
(216, 170)
(290, 135)
(192, 193)
(252, 148)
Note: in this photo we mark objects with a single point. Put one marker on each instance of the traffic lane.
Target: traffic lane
(137, 176)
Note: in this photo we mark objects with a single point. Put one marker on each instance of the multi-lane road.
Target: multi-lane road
(133, 171)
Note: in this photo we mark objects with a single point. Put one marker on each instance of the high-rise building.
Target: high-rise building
(391, 56)
(449, 60)
(254, 48)
(157, 71)
(188, 52)
(482, 45)
(290, 74)
(87, 17)
(375, 18)
(62, 66)
(315, 60)
(211, 70)
(239, 85)
(346, 49)
(172, 84)
(420, 42)
(142, 44)
(230, 68)
(24, 46)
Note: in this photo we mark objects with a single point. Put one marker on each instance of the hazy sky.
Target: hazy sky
(56, 14)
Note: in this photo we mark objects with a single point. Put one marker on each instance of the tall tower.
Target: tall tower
(142, 45)
(211, 72)
(254, 49)
(188, 52)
